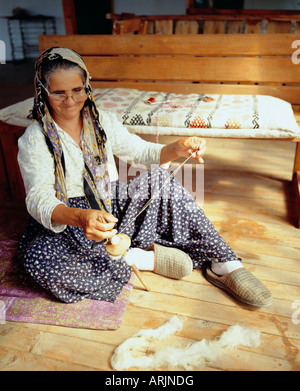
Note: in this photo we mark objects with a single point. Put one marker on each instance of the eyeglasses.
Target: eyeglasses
(77, 96)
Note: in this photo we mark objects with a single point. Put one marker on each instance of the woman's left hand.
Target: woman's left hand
(186, 146)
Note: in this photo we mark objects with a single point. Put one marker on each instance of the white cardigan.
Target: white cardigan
(37, 165)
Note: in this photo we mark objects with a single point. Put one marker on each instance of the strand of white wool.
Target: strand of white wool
(193, 355)
(193, 154)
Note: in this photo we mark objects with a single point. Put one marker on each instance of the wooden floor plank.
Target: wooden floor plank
(272, 349)
(14, 360)
(199, 289)
(213, 312)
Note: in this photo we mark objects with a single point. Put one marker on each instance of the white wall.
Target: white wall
(48, 8)
(178, 7)
(139, 7)
(272, 4)
(150, 7)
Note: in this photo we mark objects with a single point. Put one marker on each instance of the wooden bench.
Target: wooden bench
(208, 63)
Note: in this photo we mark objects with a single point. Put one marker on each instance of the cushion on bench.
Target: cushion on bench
(151, 112)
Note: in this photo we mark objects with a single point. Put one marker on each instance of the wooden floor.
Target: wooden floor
(248, 197)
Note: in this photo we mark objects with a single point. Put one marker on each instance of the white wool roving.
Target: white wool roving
(192, 355)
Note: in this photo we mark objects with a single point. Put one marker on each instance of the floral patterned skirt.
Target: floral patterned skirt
(73, 268)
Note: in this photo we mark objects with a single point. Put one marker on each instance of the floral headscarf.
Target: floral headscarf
(96, 177)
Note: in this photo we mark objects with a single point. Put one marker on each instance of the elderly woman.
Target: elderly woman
(75, 200)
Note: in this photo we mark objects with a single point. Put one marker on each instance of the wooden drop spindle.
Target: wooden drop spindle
(117, 247)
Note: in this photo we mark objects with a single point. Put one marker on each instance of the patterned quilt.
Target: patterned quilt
(200, 114)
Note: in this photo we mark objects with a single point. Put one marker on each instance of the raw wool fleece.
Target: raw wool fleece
(192, 355)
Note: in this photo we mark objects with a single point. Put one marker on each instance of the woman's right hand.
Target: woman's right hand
(97, 225)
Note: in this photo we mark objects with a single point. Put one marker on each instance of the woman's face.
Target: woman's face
(65, 82)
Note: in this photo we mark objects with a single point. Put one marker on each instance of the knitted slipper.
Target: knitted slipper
(171, 262)
(243, 285)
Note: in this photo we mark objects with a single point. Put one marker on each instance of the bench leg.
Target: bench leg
(296, 182)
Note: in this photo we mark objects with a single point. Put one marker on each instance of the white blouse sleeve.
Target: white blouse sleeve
(37, 169)
(129, 146)
(37, 165)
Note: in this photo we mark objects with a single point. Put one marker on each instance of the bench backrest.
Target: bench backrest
(211, 63)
